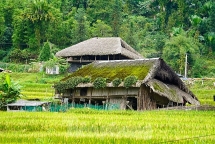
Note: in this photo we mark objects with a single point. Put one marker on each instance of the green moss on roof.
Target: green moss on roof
(157, 87)
(162, 88)
(112, 70)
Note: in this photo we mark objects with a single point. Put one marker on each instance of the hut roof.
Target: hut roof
(116, 69)
(100, 46)
(171, 92)
(152, 72)
(27, 103)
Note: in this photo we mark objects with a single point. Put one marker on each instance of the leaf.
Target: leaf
(7, 80)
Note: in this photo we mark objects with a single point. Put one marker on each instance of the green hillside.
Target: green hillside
(35, 85)
(169, 29)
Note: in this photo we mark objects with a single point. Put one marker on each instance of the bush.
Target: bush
(45, 53)
(74, 81)
(86, 79)
(129, 81)
(68, 84)
(116, 82)
(2, 54)
(99, 83)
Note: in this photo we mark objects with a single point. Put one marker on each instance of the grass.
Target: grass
(204, 90)
(92, 126)
(36, 85)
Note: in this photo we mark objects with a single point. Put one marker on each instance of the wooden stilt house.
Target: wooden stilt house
(97, 49)
(141, 84)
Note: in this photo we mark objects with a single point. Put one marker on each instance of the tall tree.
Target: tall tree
(80, 26)
(101, 29)
(40, 14)
(212, 17)
(45, 53)
(99, 10)
(116, 16)
(2, 23)
(176, 48)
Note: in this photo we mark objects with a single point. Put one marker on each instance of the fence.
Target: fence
(65, 107)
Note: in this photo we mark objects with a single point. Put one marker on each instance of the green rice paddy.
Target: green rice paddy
(96, 127)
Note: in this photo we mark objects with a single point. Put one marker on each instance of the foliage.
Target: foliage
(19, 56)
(80, 26)
(86, 79)
(116, 82)
(176, 48)
(129, 81)
(68, 84)
(200, 68)
(3, 53)
(45, 53)
(101, 29)
(99, 82)
(116, 15)
(9, 91)
(145, 25)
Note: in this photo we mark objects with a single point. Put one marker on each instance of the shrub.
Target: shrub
(68, 84)
(86, 79)
(129, 81)
(73, 82)
(45, 53)
(116, 82)
(99, 83)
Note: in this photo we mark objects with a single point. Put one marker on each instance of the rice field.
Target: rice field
(93, 126)
(39, 91)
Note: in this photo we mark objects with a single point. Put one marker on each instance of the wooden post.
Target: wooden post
(90, 97)
(107, 99)
(73, 97)
(140, 99)
(81, 59)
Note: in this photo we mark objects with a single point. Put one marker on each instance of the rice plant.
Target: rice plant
(93, 126)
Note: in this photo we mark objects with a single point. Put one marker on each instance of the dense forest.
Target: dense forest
(156, 28)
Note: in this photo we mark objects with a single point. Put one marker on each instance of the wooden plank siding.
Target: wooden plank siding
(145, 99)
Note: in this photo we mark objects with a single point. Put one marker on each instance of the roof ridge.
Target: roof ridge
(128, 60)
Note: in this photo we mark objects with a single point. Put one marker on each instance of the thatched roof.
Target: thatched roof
(116, 69)
(172, 92)
(154, 73)
(100, 46)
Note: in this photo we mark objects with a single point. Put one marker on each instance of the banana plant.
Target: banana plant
(9, 91)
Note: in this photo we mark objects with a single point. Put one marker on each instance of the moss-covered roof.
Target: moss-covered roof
(116, 69)
(172, 92)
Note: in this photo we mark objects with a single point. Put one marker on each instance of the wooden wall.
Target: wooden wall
(145, 101)
(108, 91)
